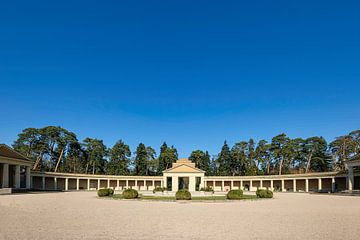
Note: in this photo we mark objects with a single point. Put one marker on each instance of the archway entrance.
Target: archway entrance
(183, 183)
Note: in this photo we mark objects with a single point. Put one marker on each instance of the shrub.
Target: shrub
(130, 194)
(105, 192)
(262, 193)
(159, 189)
(207, 189)
(234, 194)
(183, 194)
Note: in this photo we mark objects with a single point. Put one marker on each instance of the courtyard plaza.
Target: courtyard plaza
(82, 215)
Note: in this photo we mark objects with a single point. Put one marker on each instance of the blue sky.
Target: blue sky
(192, 73)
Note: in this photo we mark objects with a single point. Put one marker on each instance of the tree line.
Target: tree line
(56, 149)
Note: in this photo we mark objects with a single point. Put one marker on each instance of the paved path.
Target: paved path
(81, 215)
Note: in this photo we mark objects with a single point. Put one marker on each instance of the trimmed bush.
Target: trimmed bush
(130, 193)
(159, 189)
(183, 194)
(207, 189)
(104, 192)
(234, 194)
(262, 193)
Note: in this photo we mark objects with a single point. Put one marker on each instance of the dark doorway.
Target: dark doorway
(169, 183)
(198, 182)
(183, 183)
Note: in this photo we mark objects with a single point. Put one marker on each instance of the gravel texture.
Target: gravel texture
(81, 215)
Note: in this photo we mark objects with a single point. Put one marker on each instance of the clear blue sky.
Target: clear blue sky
(192, 73)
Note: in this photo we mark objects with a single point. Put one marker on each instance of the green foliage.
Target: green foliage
(159, 189)
(166, 158)
(183, 194)
(264, 193)
(104, 192)
(119, 159)
(207, 189)
(130, 193)
(234, 194)
(201, 160)
(55, 148)
(224, 161)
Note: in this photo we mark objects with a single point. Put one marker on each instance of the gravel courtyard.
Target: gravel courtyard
(81, 215)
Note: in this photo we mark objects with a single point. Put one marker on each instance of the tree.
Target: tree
(263, 156)
(201, 160)
(167, 157)
(152, 162)
(96, 153)
(342, 149)
(238, 162)
(280, 150)
(224, 160)
(119, 159)
(141, 160)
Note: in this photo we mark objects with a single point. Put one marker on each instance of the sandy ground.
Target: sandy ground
(81, 215)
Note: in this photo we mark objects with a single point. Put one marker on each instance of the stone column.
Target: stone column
(28, 178)
(136, 185)
(350, 179)
(55, 183)
(232, 185)
(306, 185)
(5, 180)
(319, 184)
(108, 183)
(117, 184)
(272, 185)
(333, 185)
(294, 185)
(241, 184)
(43, 183)
(127, 184)
(17, 176)
(282, 185)
(222, 186)
(261, 183)
(251, 185)
(175, 183)
(88, 184)
(153, 184)
(77, 184)
(66, 184)
(98, 184)
(214, 185)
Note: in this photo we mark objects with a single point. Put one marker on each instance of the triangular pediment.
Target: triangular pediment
(183, 168)
(6, 151)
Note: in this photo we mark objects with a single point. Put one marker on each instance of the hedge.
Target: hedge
(130, 194)
(234, 194)
(183, 194)
(262, 193)
(105, 192)
(159, 189)
(207, 189)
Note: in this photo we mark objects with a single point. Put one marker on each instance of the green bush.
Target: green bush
(207, 189)
(105, 192)
(159, 189)
(183, 194)
(130, 194)
(234, 194)
(262, 193)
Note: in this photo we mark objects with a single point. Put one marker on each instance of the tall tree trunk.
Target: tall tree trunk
(280, 166)
(87, 167)
(308, 163)
(37, 161)
(59, 160)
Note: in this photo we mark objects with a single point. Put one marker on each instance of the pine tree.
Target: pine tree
(141, 160)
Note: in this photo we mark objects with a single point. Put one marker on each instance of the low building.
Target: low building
(15, 173)
(15, 170)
